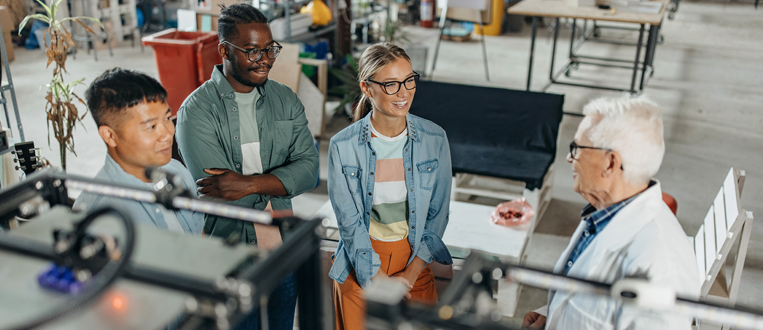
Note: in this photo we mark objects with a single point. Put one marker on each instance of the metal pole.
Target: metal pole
(287, 18)
(553, 51)
(638, 57)
(443, 18)
(532, 52)
(436, 51)
(650, 44)
(484, 53)
(309, 292)
(572, 37)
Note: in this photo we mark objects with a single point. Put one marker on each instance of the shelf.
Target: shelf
(314, 34)
(125, 9)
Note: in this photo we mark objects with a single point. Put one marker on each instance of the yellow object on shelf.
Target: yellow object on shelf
(321, 12)
(494, 28)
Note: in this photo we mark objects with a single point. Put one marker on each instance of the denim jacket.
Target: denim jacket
(352, 162)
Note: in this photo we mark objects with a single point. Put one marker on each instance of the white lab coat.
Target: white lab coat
(644, 239)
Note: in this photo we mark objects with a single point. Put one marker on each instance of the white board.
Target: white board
(313, 100)
(186, 20)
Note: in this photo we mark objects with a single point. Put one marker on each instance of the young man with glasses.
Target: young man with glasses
(245, 140)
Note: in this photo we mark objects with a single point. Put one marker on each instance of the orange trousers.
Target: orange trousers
(349, 303)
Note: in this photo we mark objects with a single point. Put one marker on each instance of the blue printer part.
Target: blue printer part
(59, 278)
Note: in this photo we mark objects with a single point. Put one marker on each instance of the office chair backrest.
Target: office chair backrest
(473, 11)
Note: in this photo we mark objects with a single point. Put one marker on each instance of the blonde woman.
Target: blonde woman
(389, 182)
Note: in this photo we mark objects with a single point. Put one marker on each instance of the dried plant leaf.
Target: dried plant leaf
(60, 108)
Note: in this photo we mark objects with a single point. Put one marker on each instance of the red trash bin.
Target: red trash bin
(185, 60)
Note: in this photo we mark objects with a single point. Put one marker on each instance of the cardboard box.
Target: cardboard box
(6, 23)
(201, 23)
(17, 8)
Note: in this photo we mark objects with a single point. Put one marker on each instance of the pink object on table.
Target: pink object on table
(512, 213)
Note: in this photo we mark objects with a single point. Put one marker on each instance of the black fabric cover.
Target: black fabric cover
(494, 131)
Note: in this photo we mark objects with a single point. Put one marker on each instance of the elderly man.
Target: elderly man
(626, 230)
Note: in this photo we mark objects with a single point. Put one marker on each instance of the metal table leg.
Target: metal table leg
(658, 28)
(484, 53)
(553, 51)
(638, 57)
(532, 52)
(436, 52)
(651, 45)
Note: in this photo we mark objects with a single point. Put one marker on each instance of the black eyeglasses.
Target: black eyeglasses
(392, 87)
(574, 150)
(255, 54)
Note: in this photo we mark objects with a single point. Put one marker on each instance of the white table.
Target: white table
(470, 228)
(570, 9)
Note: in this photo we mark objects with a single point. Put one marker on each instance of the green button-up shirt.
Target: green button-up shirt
(209, 136)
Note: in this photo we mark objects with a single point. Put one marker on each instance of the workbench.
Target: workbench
(569, 9)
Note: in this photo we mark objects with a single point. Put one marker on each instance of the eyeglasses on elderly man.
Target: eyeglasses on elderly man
(574, 147)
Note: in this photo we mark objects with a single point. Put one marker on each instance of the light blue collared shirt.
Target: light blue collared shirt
(142, 212)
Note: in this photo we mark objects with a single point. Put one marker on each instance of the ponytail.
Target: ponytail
(363, 108)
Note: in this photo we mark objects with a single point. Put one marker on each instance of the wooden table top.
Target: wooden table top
(570, 9)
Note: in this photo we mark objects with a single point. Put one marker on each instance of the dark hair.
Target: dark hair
(118, 89)
(373, 60)
(235, 14)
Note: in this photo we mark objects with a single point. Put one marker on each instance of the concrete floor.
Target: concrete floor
(708, 77)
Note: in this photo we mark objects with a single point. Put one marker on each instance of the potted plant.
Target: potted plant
(393, 32)
(61, 107)
(350, 89)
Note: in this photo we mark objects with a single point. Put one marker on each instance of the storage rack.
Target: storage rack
(121, 13)
(364, 17)
(7, 85)
(288, 4)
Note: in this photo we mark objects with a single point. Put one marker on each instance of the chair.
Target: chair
(670, 202)
(88, 8)
(472, 11)
(725, 222)
(501, 147)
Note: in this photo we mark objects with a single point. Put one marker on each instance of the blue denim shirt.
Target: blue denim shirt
(141, 212)
(352, 162)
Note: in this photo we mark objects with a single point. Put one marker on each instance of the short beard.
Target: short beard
(246, 82)
(240, 78)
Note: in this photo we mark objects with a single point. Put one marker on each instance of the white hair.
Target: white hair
(633, 128)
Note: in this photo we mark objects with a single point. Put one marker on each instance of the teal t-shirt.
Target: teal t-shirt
(250, 136)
